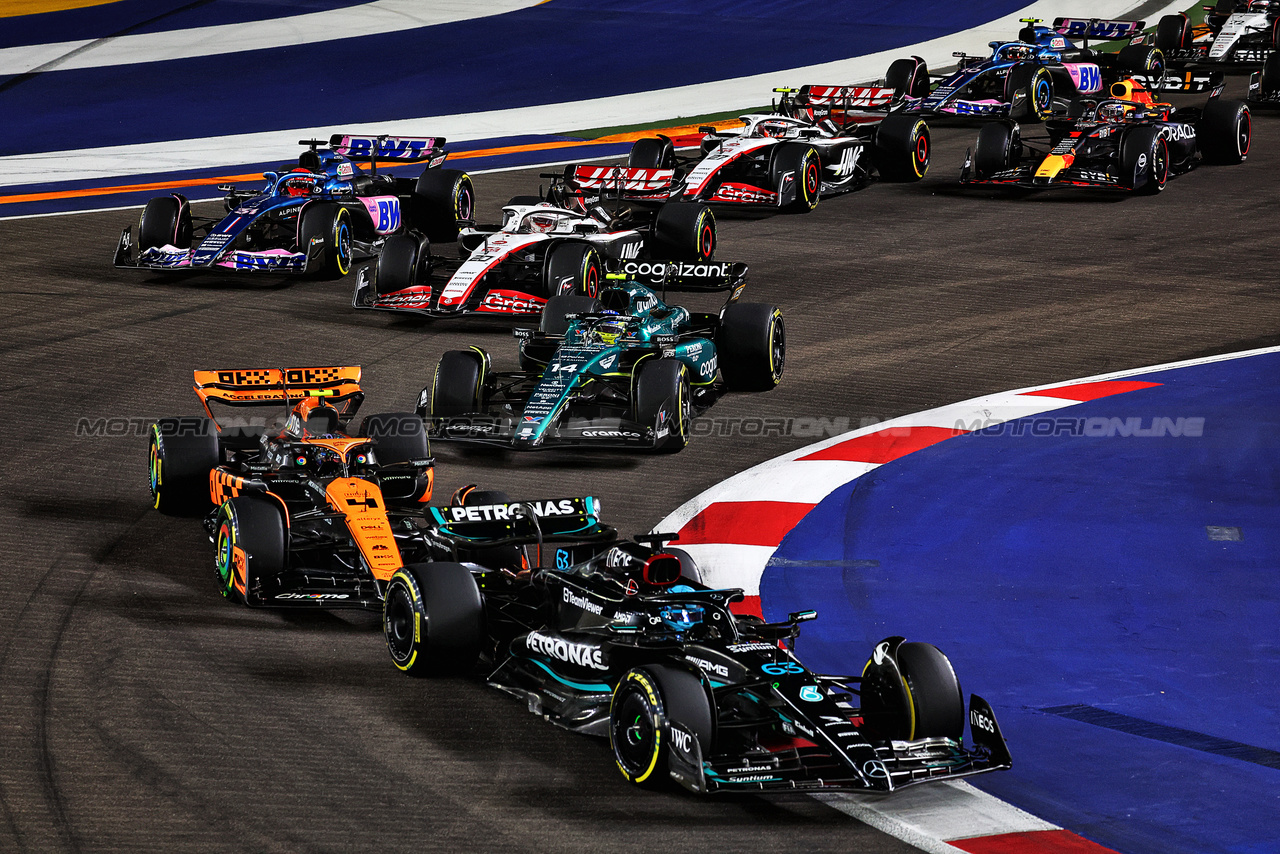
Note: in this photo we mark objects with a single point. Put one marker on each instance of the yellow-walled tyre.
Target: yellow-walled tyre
(433, 619)
(646, 702)
(181, 453)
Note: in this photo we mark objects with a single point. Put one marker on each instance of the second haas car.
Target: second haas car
(302, 513)
(316, 217)
(627, 370)
(621, 639)
(819, 141)
(1128, 141)
(1237, 34)
(540, 250)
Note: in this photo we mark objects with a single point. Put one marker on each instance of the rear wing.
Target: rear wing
(709, 276)
(841, 97)
(1212, 82)
(403, 149)
(338, 386)
(522, 522)
(1094, 28)
(624, 180)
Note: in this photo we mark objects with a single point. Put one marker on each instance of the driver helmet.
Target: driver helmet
(681, 618)
(1018, 52)
(1112, 111)
(298, 182)
(540, 223)
(610, 330)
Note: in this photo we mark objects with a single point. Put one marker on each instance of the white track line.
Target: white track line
(635, 108)
(366, 19)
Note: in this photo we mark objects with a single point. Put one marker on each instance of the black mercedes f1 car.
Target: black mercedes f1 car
(621, 639)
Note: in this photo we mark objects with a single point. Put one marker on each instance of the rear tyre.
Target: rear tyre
(442, 197)
(1225, 130)
(997, 149)
(458, 388)
(684, 231)
(1029, 88)
(662, 390)
(433, 619)
(902, 148)
(400, 263)
(752, 346)
(652, 153)
(332, 224)
(645, 704)
(1269, 82)
(182, 453)
(573, 268)
(801, 162)
(400, 437)
(1144, 160)
(165, 221)
(1173, 33)
(1145, 60)
(555, 320)
(250, 545)
(908, 77)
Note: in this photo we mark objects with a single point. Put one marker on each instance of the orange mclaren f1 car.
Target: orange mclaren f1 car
(301, 511)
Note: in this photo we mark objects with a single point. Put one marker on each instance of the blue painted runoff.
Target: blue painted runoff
(1116, 597)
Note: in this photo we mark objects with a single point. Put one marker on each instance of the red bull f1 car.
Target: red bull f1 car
(820, 141)
(620, 639)
(313, 218)
(302, 511)
(627, 370)
(540, 250)
(1024, 80)
(1129, 141)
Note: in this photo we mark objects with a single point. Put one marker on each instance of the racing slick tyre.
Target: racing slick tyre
(182, 453)
(400, 437)
(441, 198)
(684, 231)
(1144, 160)
(662, 387)
(458, 387)
(902, 148)
(555, 314)
(908, 77)
(652, 153)
(433, 619)
(251, 544)
(573, 268)
(332, 224)
(801, 162)
(1173, 33)
(998, 149)
(1225, 131)
(165, 221)
(752, 346)
(401, 262)
(646, 703)
(1146, 60)
(911, 692)
(1029, 89)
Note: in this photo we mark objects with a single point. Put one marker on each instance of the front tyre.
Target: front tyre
(652, 153)
(663, 402)
(1225, 131)
(998, 149)
(908, 78)
(646, 703)
(902, 148)
(684, 231)
(401, 263)
(1029, 91)
(800, 162)
(573, 268)
(458, 387)
(165, 221)
(251, 544)
(1144, 160)
(433, 619)
(1173, 33)
(752, 346)
(331, 224)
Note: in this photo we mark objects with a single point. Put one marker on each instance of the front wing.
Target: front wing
(488, 299)
(173, 259)
(503, 430)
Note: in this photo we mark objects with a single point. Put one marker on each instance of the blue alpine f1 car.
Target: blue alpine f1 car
(1027, 79)
(314, 217)
(625, 370)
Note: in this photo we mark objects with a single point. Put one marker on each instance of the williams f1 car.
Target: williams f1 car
(1024, 80)
(622, 640)
(819, 141)
(626, 370)
(1128, 141)
(301, 514)
(1236, 34)
(314, 218)
(539, 251)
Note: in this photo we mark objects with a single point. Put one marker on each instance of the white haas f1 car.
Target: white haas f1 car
(1240, 34)
(820, 141)
(314, 217)
(539, 251)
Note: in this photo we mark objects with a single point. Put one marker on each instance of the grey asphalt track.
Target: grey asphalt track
(139, 711)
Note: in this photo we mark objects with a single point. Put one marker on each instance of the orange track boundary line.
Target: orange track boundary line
(630, 136)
